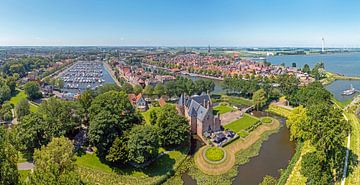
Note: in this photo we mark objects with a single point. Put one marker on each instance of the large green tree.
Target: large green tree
(260, 98)
(32, 89)
(8, 159)
(111, 114)
(144, 143)
(296, 121)
(174, 128)
(315, 169)
(22, 108)
(55, 164)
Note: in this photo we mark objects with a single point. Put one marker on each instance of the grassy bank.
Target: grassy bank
(295, 177)
(354, 177)
(286, 173)
(284, 112)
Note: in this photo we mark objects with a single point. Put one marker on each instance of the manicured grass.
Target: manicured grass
(222, 108)
(266, 120)
(19, 96)
(243, 133)
(214, 154)
(92, 161)
(147, 114)
(279, 110)
(243, 123)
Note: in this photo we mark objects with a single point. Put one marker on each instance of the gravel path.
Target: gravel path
(25, 166)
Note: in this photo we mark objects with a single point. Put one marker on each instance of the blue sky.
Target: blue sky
(260, 23)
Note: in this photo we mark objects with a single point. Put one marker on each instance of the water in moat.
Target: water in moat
(275, 154)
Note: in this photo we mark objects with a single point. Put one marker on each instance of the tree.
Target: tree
(32, 89)
(306, 69)
(315, 169)
(22, 108)
(174, 128)
(313, 93)
(5, 111)
(55, 164)
(295, 121)
(293, 64)
(159, 89)
(259, 98)
(326, 130)
(9, 174)
(111, 114)
(127, 88)
(85, 103)
(5, 92)
(143, 143)
(108, 87)
(138, 89)
(268, 180)
(149, 90)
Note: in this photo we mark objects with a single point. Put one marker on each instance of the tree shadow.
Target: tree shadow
(353, 162)
(164, 165)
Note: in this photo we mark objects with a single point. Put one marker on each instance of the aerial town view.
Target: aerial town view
(179, 92)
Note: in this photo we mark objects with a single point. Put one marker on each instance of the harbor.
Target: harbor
(85, 75)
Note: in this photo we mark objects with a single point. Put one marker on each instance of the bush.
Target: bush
(214, 154)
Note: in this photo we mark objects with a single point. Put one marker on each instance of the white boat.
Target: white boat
(350, 91)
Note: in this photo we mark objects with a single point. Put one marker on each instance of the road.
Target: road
(343, 179)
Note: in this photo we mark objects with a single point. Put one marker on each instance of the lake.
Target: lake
(343, 63)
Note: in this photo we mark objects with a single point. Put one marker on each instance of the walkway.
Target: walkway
(25, 166)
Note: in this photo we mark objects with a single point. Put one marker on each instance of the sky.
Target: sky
(237, 23)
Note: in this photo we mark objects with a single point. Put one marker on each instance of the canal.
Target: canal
(275, 154)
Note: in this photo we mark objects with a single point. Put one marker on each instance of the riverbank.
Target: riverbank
(331, 77)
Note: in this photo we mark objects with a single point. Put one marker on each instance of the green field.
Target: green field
(243, 133)
(238, 100)
(222, 108)
(243, 123)
(214, 154)
(21, 95)
(93, 171)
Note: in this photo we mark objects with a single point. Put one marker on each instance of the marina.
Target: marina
(85, 75)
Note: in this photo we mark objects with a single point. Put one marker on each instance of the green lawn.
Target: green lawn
(21, 95)
(146, 114)
(238, 100)
(243, 123)
(222, 108)
(93, 171)
(214, 154)
(243, 133)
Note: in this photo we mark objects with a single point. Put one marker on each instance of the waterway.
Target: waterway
(275, 154)
(337, 87)
(81, 86)
(347, 64)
